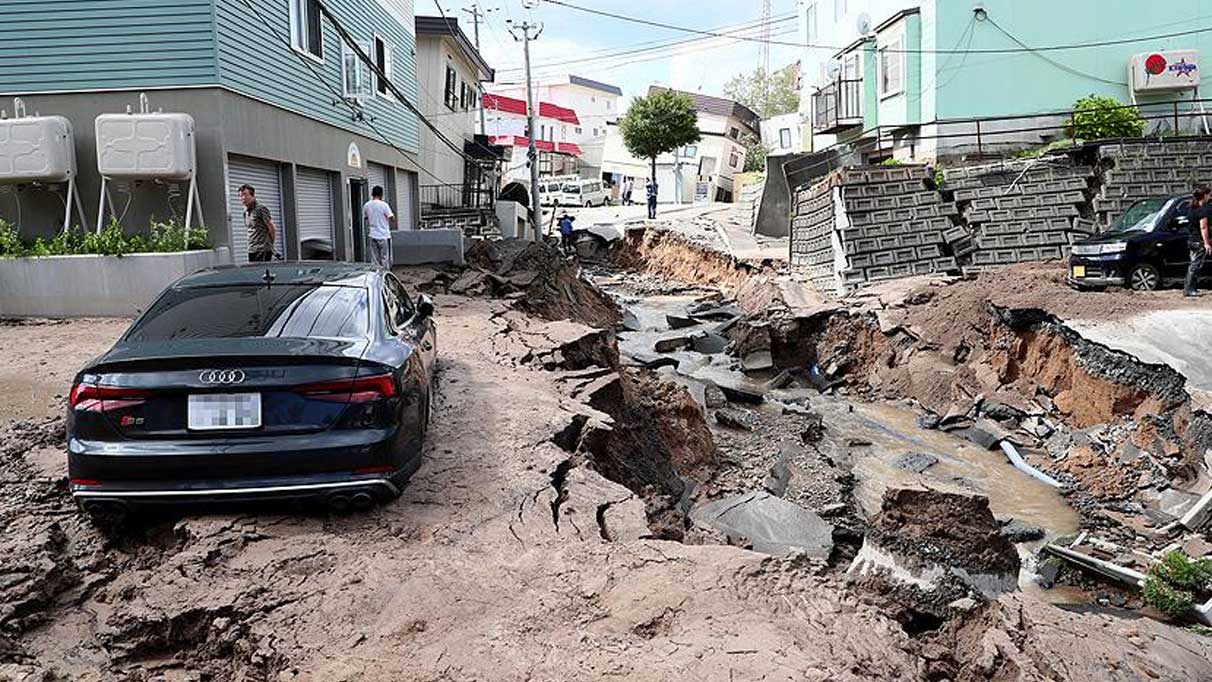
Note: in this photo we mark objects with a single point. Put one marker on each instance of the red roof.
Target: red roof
(569, 148)
(512, 105)
(559, 113)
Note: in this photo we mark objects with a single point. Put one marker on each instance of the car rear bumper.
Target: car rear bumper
(343, 485)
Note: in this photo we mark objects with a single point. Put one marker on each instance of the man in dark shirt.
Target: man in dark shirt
(651, 191)
(260, 226)
(1198, 241)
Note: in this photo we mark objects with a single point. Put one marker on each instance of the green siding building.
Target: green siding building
(913, 77)
(278, 101)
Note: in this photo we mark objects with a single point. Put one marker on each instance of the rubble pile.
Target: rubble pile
(1132, 171)
(1018, 211)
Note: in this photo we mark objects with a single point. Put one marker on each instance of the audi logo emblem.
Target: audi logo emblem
(222, 377)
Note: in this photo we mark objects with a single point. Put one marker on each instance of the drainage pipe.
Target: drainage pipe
(1021, 464)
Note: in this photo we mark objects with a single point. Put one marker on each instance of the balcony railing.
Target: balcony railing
(837, 106)
(455, 197)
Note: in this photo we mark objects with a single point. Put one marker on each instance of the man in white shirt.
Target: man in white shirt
(378, 216)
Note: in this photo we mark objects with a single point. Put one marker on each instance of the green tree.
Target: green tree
(659, 123)
(767, 95)
(756, 152)
(1099, 118)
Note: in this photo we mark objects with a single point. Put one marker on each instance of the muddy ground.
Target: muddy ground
(526, 547)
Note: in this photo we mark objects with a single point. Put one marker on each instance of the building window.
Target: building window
(578, 131)
(305, 33)
(890, 77)
(690, 151)
(382, 57)
(785, 138)
(355, 74)
(464, 97)
(734, 159)
(734, 133)
(452, 82)
(839, 9)
(810, 23)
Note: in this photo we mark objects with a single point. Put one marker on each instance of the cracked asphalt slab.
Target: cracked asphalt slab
(467, 576)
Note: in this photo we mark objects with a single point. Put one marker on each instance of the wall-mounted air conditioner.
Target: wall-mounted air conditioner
(1168, 70)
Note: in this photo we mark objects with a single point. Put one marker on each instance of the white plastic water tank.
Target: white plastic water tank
(36, 149)
(150, 145)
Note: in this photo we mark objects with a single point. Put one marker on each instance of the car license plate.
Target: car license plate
(224, 411)
(1079, 271)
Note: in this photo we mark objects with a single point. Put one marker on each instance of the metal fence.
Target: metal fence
(837, 105)
(455, 196)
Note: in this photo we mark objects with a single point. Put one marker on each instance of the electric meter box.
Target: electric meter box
(151, 145)
(36, 149)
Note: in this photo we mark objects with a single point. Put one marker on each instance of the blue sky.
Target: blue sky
(702, 66)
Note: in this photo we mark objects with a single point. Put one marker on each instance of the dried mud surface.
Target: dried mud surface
(512, 555)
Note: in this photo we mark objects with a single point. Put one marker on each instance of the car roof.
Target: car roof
(284, 272)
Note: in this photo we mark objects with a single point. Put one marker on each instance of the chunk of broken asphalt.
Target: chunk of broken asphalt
(757, 361)
(668, 345)
(917, 462)
(733, 420)
(708, 343)
(739, 394)
(1020, 531)
(679, 322)
(773, 525)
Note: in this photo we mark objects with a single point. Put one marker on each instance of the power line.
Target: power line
(1047, 48)
(659, 45)
(1053, 62)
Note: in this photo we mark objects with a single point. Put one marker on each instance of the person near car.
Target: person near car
(652, 199)
(378, 216)
(566, 232)
(1198, 241)
(260, 226)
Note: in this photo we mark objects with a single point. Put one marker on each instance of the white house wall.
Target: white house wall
(444, 164)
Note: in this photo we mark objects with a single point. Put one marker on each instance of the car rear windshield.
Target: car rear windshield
(231, 312)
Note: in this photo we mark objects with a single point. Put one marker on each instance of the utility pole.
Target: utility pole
(532, 152)
(765, 53)
(478, 15)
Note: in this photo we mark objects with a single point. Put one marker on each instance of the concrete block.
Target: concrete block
(978, 217)
(983, 204)
(1005, 256)
(1049, 253)
(954, 234)
(1024, 255)
(988, 242)
(883, 258)
(963, 247)
(945, 264)
(910, 239)
(874, 274)
(1010, 240)
(984, 258)
(862, 260)
(929, 251)
(904, 255)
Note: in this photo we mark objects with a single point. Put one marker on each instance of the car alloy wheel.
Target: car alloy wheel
(1144, 278)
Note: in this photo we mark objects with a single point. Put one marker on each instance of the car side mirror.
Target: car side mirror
(424, 306)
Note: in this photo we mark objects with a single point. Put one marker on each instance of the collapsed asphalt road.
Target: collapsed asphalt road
(509, 557)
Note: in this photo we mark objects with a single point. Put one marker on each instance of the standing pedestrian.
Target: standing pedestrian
(378, 217)
(652, 199)
(628, 188)
(1198, 241)
(260, 226)
(566, 233)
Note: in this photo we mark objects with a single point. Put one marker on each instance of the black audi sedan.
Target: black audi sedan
(1144, 249)
(285, 380)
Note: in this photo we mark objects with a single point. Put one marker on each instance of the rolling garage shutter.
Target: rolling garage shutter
(406, 200)
(376, 176)
(264, 177)
(314, 201)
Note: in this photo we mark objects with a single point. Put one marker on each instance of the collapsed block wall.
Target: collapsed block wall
(867, 224)
(1132, 171)
(1019, 211)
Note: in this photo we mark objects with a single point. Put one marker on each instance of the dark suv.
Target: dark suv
(1143, 250)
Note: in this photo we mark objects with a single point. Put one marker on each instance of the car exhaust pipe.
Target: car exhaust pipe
(338, 503)
(106, 510)
(362, 501)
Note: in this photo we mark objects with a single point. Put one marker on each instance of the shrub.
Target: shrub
(1097, 118)
(1174, 583)
(111, 241)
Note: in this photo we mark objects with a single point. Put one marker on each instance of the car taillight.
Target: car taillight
(359, 390)
(96, 398)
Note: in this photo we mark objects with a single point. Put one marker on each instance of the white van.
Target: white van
(584, 193)
(550, 189)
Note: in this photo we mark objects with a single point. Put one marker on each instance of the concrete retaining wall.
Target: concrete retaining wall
(88, 286)
(419, 247)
